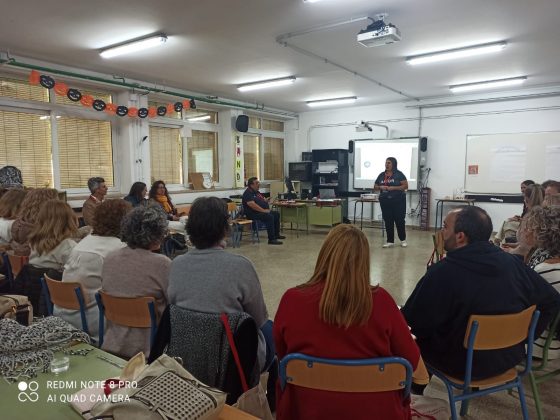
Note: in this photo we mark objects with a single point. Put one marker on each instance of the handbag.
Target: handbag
(16, 307)
(163, 390)
(253, 400)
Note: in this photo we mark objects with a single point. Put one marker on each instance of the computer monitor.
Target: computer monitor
(327, 193)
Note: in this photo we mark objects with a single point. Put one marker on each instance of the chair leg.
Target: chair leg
(536, 396)
(452, 406)
(465, 405)
(523, 402)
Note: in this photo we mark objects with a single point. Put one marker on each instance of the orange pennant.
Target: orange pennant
(186, 104)
(87, 100)
(111, 109)
(61, 88)
(170, 108)
(132, 112)
(152, 111)
(34, 77)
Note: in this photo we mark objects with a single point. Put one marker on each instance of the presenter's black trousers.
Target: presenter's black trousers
(272, 222)
(393, 211)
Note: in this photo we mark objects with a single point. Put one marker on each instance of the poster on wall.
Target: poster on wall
(239, 166)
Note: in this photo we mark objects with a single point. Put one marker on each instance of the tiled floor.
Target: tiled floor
(397, 270)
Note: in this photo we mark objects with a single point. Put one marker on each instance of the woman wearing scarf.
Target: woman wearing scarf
(158, 194)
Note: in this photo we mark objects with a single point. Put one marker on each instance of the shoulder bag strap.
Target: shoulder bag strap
(229, 335)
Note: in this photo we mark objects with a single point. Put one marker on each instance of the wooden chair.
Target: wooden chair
(492, 332)
(13, 264)
(67, 295)
(136, 312)
(340, 375)
(540, 373)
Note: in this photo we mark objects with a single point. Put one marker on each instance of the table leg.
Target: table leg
(355, 205)
(297, 222)
(362, 216)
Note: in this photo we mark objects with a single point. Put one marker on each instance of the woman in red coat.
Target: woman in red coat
(338, 315)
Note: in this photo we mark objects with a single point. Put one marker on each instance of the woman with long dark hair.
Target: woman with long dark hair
(159, 195)
(392, 185)
(137, 194)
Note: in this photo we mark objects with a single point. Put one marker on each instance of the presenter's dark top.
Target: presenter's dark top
(394, 180)
(257, 197)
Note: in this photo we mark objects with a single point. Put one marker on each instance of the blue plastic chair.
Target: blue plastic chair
(344, 375)
(492, 332)
(67, 295)
(255, 227)
(136, 312)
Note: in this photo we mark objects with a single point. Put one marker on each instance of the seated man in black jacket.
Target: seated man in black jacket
(256, 207)
(476, 277)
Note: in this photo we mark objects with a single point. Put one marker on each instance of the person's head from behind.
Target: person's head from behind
(108, 217)
(543, 223)
(533, 195)
(10, 203)
(55, 222)
(97, 186)
(144, 227)
(158, 188)
(391, 164)
(525, 184)
(253, 183)
(464, 226)
(551, 200)
(208, 222)
(34, 201)
(344, 268)
(138, 190)
(552, 188)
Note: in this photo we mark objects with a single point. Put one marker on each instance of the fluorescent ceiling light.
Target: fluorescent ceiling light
(48, 117)
(199, 118)
(333, 101)
(266, 84)
(457, 53)
(311, 1)
(134, 45)
(489, 84)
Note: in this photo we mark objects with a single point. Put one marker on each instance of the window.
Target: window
(105, 97)
(176, 115)
(21, 89)
(251, 156)
(84, 150)
(254, 122)
(83, 146)
(202, 150)
(272, 125)
(273, 154)
(166, 155)
(25, 142)
(201, 115)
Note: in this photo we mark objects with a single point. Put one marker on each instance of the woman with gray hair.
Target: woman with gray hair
(136, 271)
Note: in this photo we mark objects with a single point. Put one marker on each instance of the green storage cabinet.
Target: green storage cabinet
(324, 216)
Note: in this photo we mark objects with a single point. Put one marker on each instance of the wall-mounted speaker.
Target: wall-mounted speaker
(423, 144)
(351, 146)
(242, 123)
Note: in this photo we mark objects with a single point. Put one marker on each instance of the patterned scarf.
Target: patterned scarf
(165, 203)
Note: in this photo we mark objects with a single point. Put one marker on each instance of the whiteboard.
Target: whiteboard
(498, 163)
(370, 156)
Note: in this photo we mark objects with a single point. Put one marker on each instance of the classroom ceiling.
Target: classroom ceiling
(214, 45)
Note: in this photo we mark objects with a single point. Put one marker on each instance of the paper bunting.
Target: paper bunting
(62, 89)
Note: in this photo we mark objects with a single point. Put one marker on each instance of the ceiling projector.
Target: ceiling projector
(379, 33)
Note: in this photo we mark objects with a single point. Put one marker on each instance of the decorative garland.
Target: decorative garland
(60, 88)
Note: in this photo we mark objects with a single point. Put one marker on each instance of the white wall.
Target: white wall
(446, 128)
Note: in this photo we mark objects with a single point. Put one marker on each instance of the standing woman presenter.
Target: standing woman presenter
(392, 185)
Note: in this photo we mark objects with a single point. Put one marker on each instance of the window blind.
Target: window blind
(84, 151)
(21, 89)
(25, 142)
(202, 151)
(166, 157)
(251, 156)
(273, 149)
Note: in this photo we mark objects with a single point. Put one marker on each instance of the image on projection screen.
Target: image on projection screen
(370, 156)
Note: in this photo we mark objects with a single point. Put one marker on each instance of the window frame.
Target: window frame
(270, 134)
(52, 109)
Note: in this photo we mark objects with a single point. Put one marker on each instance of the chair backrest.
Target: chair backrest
(16, 263)
(498, 331)
(439, 244)
(63, 294)
(131, 312)
(365, 375)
